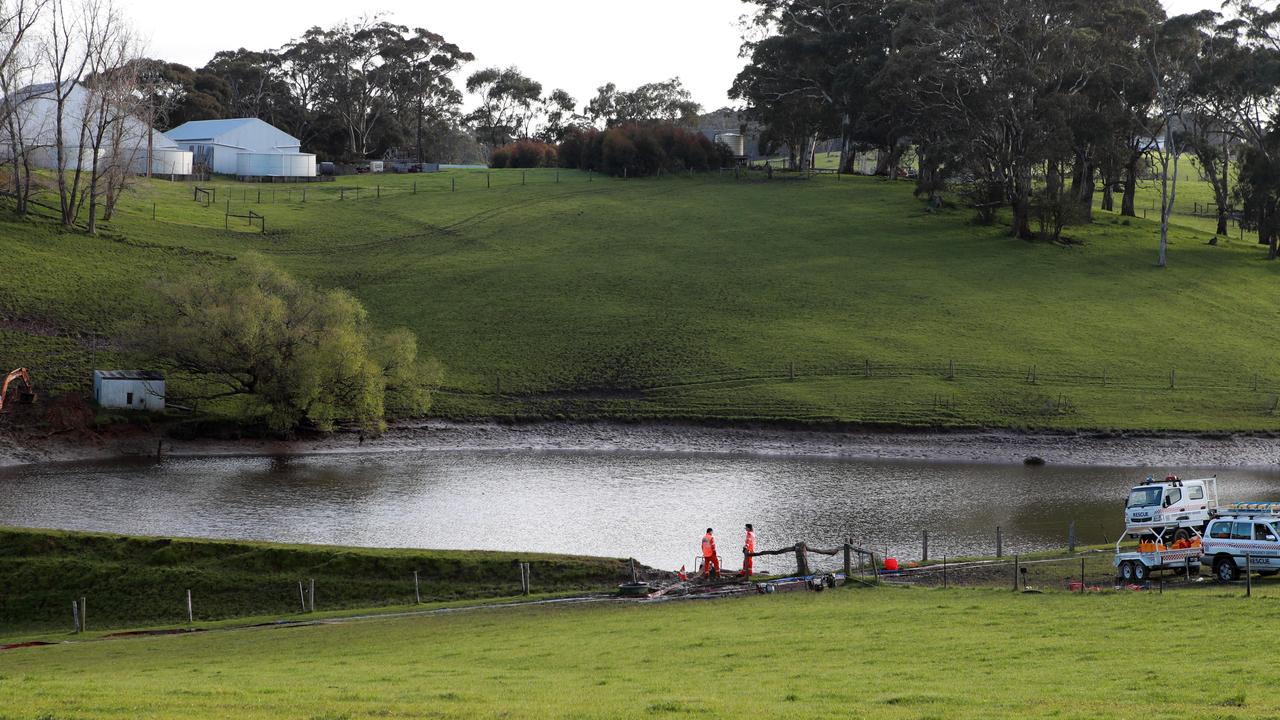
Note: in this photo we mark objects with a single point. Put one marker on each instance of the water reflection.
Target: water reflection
(651, 506)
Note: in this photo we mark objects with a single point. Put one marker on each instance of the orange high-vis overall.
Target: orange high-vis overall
(750, 547)
(710, 563)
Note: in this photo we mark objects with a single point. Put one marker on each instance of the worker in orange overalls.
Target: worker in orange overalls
(748, 547)
(710, 563)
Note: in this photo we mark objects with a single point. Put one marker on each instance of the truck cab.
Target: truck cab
(1243, 536)
(1173, 504)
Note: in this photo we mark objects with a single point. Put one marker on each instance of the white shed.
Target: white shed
(244, 147)
(36, 109)
(129, 389)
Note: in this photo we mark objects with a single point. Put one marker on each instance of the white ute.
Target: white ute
(1240, 531)
(1181, 508)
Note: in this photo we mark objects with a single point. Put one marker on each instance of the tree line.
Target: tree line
(373, 88)
(1031, 107)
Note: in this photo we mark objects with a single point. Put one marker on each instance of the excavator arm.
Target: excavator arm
(14, 375)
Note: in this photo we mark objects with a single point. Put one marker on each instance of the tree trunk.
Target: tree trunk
(1084, 193)
(1130, 189)
(1108, 196)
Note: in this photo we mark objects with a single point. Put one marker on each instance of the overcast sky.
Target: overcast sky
(577, 45)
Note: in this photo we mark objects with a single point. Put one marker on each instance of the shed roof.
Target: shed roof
(130, 374)
(210, 128)
(249, 133)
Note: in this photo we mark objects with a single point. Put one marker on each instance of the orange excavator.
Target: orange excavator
(26, 395)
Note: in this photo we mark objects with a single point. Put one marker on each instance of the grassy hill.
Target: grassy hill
(142, 581)
(558, 294)
(884, 653)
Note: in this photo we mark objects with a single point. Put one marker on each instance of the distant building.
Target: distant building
(36, 108)
(129, 389)
(244, 147)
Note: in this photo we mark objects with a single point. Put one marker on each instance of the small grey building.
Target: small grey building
(129, 389)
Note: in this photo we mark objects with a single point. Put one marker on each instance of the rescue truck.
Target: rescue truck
(1243, 535)
(1172, 509)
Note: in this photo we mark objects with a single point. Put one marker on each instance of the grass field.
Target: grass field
(826, 300)
(886, 653)
(131, 582)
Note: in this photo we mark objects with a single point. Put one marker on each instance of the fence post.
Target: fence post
(802, 559)
(528, 578)
(75, 615)
(848, 559)
(304, 194)
(84, 614)
(378, 189)
(259, 196)
(999, 543)
(453, 184)
(487, 185)
(522, 176)
(191, 618)
(1081, 576)
(944, 572)
(951, 370)
(1248, 576)
(1015, 572)
(417, 596)
(924, 546)
(302, 597)
(415, 187)
(1172, 378)
(1071, 537)
(791, 370)
(311, 594)
(153, 211)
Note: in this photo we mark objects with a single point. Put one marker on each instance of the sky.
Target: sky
(577, 45)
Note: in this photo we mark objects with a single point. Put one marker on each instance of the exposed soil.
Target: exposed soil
(995, 446)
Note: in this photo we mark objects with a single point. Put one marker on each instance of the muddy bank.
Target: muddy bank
(1167, 451)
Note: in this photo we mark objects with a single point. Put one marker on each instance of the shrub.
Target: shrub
(524, 154)
(641, 150)
(500, 157)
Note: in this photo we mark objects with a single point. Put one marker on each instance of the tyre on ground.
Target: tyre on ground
(1225, 570)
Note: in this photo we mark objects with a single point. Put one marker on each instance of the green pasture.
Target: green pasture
(867, 653)
(558, 294)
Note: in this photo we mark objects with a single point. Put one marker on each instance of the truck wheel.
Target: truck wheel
(1224, 568)
(1126, 571)
(1182, 534)
(1140, 571)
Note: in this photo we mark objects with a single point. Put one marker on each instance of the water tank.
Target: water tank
(736, 143)
(249, 164)
(165, 161)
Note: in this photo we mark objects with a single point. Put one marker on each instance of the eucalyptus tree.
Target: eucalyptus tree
(662, 101)
(1255, 116)
(507, 103)
(420, 67)
(814, 63)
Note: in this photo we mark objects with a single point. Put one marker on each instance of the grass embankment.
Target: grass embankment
(810, 301)
(140, 582)
(884, 653)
